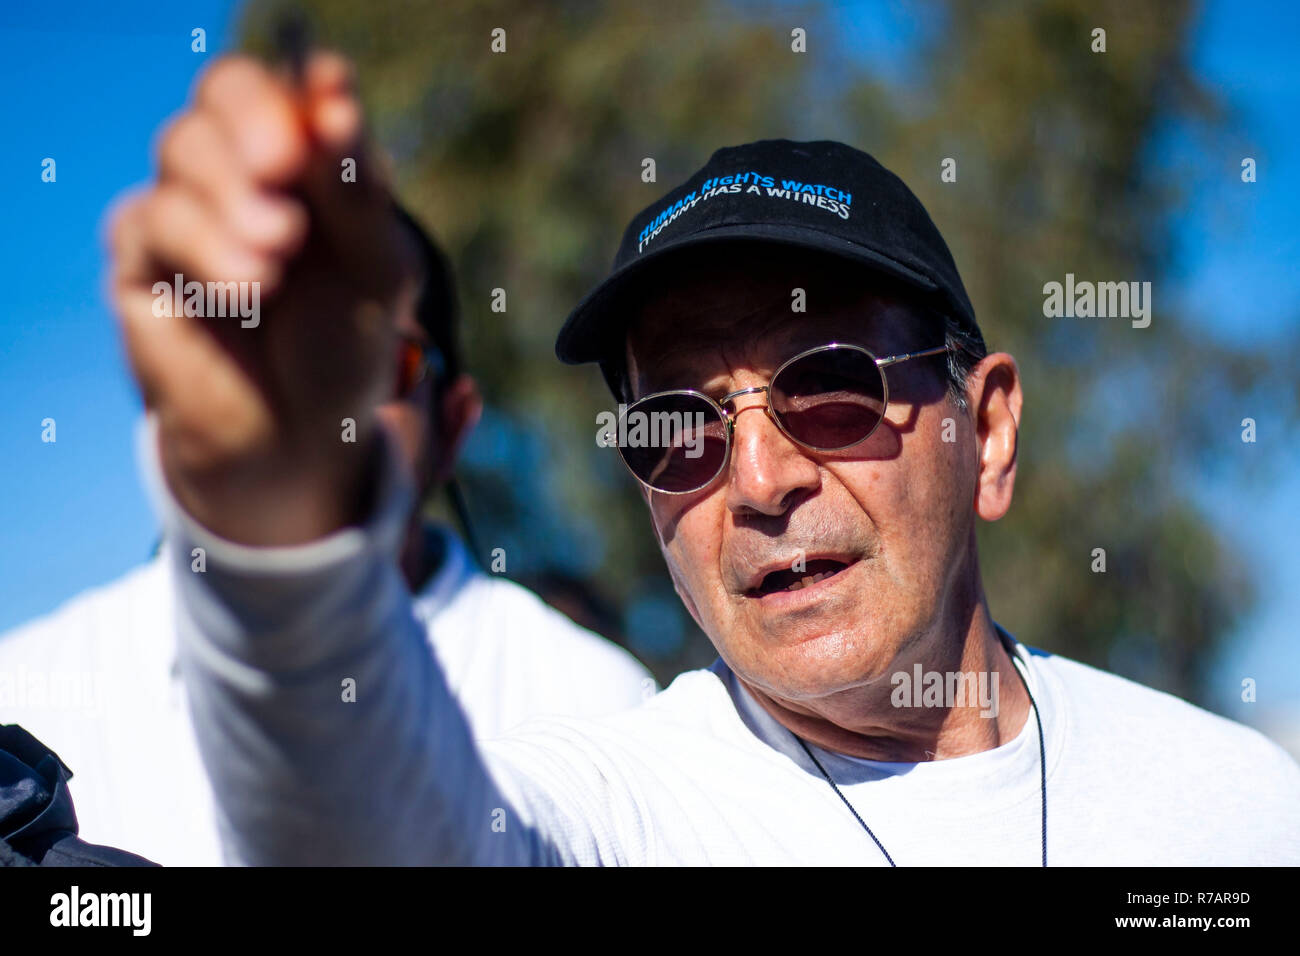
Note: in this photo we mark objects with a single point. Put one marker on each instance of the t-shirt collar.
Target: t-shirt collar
(1011, 762)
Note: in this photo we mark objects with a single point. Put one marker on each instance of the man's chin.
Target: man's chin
(827, 624)
(801, 664)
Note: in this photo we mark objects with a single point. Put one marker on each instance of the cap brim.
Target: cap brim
(590, 333)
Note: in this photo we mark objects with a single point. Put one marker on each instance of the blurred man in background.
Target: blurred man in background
(111, 702)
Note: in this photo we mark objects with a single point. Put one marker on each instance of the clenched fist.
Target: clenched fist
(287, 270)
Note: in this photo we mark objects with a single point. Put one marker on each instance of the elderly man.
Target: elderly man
(791, 320)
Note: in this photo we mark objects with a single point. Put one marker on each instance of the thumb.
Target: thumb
(346, 184)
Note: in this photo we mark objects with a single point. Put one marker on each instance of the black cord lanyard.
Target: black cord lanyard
(1042, 763)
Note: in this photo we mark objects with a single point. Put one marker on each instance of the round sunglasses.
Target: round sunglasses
(826, 399)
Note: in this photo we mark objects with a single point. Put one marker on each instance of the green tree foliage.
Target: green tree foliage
(527, 164)
(1060, 172)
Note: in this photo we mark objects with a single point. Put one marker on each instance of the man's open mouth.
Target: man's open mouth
(785, 579)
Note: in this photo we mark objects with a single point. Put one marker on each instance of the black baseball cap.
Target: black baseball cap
(822, 196)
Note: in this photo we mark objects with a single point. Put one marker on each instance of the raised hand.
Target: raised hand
(300, 267)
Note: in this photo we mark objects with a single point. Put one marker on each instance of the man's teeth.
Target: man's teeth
(811, 579)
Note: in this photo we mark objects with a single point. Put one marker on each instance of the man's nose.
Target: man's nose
(769, 472)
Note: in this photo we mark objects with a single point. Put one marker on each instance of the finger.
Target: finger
(329, 72)
(124, 236)
(335, 118)
(344, 169)
(130, 274)
(187, 375)
(142, 284)
(194, 153)
(350, 205)
(139, 257)
(262, 117)
(181, 232)
(191, 371)
(170, 354)
(301, 138)
(346, 184)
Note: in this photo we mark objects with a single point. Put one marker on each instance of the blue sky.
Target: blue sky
(89, 86)
(1239, 247)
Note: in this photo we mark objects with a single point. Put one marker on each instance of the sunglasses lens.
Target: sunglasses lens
(833, 398)
(675, 443)
(410, 358)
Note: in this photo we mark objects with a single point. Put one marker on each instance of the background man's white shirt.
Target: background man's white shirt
(97, 682)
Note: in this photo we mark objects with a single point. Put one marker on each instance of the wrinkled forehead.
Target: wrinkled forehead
(704, 321)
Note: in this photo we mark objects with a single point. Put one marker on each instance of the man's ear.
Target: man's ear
(459, 408)
(993, 391)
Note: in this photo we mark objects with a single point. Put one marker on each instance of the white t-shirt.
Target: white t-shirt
(700, 774)
(96, 681)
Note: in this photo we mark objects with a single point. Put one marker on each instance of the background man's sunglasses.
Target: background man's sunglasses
(415, 362)
(826, 399)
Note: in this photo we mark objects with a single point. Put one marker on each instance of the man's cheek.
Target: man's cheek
(676, 519)
(689, 563)
(686, 590)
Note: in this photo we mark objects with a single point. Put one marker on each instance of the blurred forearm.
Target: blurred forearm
(307, 768)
